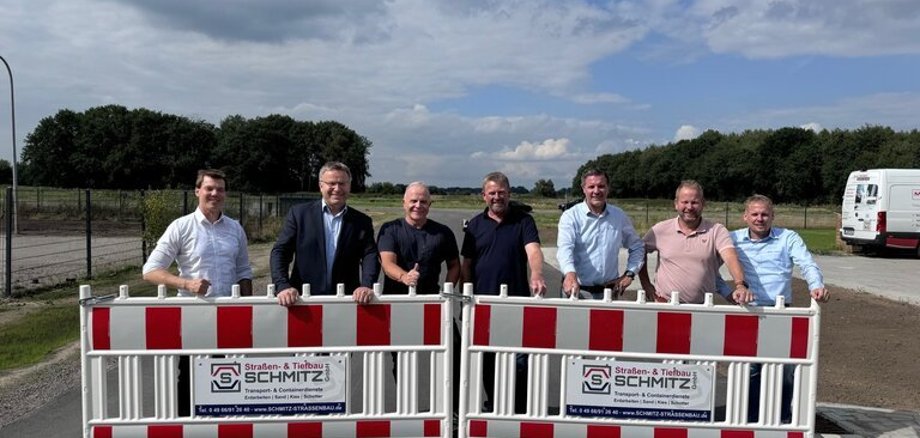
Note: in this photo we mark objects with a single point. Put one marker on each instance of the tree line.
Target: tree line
(114, 147)
(791, 165)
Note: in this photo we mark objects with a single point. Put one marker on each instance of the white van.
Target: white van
(881, 209)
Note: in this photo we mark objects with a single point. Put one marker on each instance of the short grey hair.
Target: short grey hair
(335, 165)
(689, 184)
(418, 184)
(496, 177)
(758, 199)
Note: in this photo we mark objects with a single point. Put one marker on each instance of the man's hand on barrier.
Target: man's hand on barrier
(742, 295)
(288, 297)
(619, 285)
(197, 286)
(411, 278)
(537, 285)
(821, 294)
(363, 295)
(569, 283)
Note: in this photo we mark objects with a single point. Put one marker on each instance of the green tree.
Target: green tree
(6, 172)
(544, 188)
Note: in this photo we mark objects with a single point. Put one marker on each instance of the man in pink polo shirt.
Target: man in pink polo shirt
(690, 251)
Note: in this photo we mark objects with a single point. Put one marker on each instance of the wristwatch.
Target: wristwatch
(743, 283)
(630, 274)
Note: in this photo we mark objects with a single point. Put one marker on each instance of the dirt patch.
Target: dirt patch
(869, 349)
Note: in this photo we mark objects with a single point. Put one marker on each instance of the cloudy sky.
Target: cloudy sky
(449, 90)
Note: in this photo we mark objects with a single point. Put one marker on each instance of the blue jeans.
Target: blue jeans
(754, 394)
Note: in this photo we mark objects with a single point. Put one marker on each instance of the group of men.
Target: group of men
(760, 258)
(325, 243)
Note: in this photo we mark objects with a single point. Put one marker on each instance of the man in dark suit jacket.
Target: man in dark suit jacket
(328, 243)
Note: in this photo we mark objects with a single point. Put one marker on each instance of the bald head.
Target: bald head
(416, 202)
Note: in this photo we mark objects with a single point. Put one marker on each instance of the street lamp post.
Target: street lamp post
(13, 129)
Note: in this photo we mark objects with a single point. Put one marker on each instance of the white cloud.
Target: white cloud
(599, 98)
(687, 132)
(816, 127)
(771, 29)
(549, 149)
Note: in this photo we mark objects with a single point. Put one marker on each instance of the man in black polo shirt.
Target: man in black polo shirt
(413, 248)
(498, 246)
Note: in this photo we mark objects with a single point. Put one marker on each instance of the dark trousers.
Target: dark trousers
(754, 393)
(455, 368)
(183, 387)
(520, 384)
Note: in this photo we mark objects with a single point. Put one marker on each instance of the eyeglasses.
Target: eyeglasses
(335, 183)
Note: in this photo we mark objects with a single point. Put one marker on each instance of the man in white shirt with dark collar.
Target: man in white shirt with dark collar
(209, 248)
(591, 234)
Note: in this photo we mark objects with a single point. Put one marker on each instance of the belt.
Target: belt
(593, 289)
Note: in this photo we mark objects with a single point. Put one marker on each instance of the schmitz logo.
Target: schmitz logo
(596, 379)
(225, 377)
(915, 194)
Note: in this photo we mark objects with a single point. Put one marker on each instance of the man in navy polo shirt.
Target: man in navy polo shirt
(500, 243)
(498, 246)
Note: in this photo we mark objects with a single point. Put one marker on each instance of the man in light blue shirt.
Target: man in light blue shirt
(767, 255)
(591, 234)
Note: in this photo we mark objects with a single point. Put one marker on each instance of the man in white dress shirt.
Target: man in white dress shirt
(209, 248)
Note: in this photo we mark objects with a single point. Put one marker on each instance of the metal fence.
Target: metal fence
(60, 236)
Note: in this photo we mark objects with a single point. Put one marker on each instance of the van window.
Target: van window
(867, 194)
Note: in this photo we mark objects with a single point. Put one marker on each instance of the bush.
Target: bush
(159, 209)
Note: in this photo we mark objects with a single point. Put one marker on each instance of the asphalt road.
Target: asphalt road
(891, 278)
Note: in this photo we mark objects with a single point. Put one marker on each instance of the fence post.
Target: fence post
(89, 236)
(726, 216)
(241, 208)
(143, 229)
(805, 224)
(647, 222)
(184, 202)
(260, 215)
(9, 242)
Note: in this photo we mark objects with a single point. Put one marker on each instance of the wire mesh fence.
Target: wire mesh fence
(59, 236)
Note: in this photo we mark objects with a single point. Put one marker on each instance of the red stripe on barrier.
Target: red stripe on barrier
(482, 319)
(102, 431)
(539, 328)
(243, 430)
(305, 430)
(798, 345)
(234, 327)
(164, 328)
(537, 430)
(478, 428)
(101, 340)
(598, 431)
(737, 434)
(667, 432)
(605, 330)
(795, 435)
(373, 324)
(432, 428)
(673, 333)
(305, 326)
(164, 430)
(372, 429)
(740, 335)
(432, 330)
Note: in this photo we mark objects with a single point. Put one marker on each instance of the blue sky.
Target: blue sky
(448, 91)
